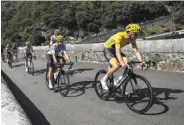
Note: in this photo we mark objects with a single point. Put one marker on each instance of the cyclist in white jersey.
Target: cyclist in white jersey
(8, 52)
(53, 38)
(57, 47)
(28, 51)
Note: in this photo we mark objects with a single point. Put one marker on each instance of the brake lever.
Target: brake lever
(129, 67)
(71, 65)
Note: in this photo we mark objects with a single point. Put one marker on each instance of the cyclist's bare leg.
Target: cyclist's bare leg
(26, 64)
(115, 66)
(67, 56)
(50, 73)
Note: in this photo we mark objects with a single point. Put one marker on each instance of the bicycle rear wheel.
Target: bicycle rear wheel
(102, 94)
(138, 93)
(63, 82)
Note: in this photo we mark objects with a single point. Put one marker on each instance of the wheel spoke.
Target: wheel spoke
(63, 84)
(139, 94)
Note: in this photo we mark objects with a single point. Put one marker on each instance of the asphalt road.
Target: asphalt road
(83, 107)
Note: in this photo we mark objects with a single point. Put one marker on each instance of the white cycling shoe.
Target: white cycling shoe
(104, 85)
(50, 85)
(26, 69)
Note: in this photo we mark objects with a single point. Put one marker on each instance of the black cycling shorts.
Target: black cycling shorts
(28, 55)
(110, 53)
(50, 61)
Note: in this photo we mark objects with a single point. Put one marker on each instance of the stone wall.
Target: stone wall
(169, 54)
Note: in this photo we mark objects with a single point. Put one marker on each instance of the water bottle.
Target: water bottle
(116, 81)
(56, 74)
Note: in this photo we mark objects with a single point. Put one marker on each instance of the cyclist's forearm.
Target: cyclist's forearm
(138, 55)
(120, 59)
(24, 54)
(54, 57)
(67, 56)
(33, 53)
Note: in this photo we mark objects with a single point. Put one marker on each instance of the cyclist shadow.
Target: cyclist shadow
(75, 71)
(160, 95)
(17, 65)
(18, 59)
(39, 72)
(79, 88)
(166, 92)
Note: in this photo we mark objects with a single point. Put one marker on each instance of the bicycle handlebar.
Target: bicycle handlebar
(58, 64)
(32, 56)
(149, 63)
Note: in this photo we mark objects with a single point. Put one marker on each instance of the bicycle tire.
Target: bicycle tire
(63, 80)
(149, 90)
(63, 62)
(31, 68)
(100, 94)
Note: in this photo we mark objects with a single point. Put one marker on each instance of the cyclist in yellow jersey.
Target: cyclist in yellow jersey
(112, 50)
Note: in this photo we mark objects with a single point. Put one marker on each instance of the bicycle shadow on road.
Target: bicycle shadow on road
(34, 114)
(18, 65)
(19, 59)
(160, 95)
(76, 71)
(39, 72)
(79, 88)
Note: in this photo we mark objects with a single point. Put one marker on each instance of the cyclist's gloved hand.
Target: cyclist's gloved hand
(144, 65)
(71, 63)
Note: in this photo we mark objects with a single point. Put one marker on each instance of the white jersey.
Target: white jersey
(52, 40)
(28, 49)
(8, 49)
(56, 49)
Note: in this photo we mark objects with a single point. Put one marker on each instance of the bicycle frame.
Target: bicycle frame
(29, 59)
(122, 81)
(129, 74)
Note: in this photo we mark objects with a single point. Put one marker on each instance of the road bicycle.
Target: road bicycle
(30, 64)
(128, 87)
(60, 79)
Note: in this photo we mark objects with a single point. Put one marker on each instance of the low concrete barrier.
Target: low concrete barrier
(11, 111)
(169, 54)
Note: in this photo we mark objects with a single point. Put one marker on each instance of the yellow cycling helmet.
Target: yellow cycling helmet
(133, 28)
(59, 37)
(7, 45)
(28, 43)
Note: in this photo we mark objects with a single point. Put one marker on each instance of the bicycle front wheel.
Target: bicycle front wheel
(31, 68)
(63, 82)
(138, 94)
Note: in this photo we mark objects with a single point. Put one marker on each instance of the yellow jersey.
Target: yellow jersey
(118, 40)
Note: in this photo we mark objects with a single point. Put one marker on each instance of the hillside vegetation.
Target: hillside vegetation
(36, 20)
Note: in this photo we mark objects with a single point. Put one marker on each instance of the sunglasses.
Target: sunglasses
(136, 34)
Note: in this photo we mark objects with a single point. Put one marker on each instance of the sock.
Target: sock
(105, 78)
